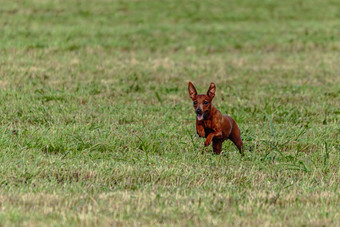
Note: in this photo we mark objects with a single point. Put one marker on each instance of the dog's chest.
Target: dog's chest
(207, 124)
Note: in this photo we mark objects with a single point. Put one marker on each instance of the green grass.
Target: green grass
(97, 126)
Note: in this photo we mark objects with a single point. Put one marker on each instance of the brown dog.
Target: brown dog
(211, 124)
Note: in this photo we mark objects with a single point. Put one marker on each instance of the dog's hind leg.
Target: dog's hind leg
(235, 136)
(239, 144)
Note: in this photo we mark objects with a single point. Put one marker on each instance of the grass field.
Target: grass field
(97, 127)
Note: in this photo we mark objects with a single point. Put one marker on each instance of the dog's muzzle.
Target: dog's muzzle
(199, 114)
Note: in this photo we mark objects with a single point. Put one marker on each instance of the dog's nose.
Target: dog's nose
(198, 111)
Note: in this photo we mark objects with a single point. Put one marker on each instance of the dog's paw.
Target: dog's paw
(200, 133)
(207, 143)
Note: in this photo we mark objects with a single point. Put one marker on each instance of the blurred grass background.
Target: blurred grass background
(97, 127)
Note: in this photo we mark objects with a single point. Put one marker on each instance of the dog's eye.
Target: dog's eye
(205, 102)
(195, 103)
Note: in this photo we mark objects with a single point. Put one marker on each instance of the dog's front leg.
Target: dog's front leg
(217, 134)
(200, 130)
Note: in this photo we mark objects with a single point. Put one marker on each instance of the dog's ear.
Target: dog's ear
(211, 91)
(192, 90)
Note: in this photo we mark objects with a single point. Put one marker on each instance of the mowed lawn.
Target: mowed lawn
(97, 127)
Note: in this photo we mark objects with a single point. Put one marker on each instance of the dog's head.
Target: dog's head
(202, 103)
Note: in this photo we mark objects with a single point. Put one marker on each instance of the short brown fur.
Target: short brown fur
(211, 124)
